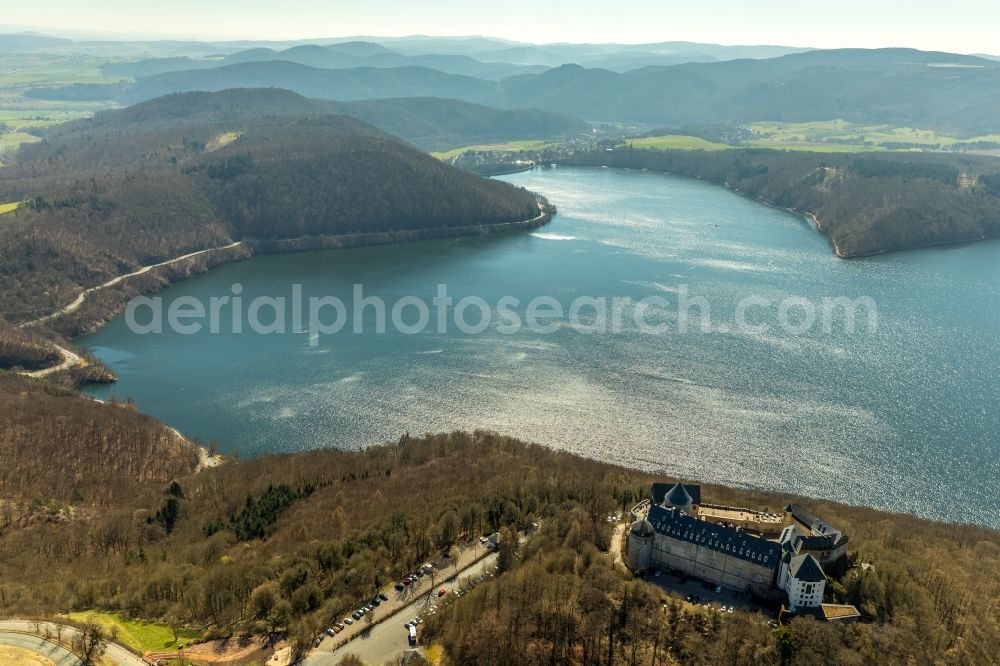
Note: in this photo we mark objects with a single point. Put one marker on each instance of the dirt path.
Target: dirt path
(616, 544)
(70, 360)
(79, 300)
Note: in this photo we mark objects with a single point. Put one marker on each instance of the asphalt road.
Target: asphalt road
(58, 655)
(388, 639)
(116, 653)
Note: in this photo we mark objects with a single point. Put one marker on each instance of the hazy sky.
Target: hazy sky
(964, 26)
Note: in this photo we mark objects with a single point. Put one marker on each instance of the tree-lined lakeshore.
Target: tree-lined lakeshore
(864, 203)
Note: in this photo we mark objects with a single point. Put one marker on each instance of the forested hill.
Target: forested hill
(433, 123)
(430, 123)
(65, 449)
(866, 203)
(138, 186)
(293, 543)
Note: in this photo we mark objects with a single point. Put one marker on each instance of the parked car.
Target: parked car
(340, 626)
(383, 596)
(331, 632)
(348, 620)
(718, 589)
(657, 573)
(357, 614)
(400, 586)
(442, 592)
(375, 602)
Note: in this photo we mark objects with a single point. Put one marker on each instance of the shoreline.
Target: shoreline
(814, 219)
(260, 247)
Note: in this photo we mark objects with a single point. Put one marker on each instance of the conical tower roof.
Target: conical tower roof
(677, 496)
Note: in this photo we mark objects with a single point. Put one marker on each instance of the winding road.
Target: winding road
(79, 300)
(27, 633)
(70, 359)
(57, 654)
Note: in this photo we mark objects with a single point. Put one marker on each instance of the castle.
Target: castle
(772, 556)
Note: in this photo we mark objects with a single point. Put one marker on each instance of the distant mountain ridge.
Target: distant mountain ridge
(336, 56)
(903, 87)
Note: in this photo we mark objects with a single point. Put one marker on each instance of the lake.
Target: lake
(901, 415)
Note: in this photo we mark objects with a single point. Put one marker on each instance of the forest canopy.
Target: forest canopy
(133, 187)
(313, 533)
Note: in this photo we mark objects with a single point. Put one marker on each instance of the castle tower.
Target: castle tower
(678, 498)
(640, 545)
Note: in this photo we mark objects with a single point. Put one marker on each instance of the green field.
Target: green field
(842, 136)
(676, 142)
(12, 140)
(9, 207)
(830, 136)
(509, 147)
(20, 72)
(140, 636)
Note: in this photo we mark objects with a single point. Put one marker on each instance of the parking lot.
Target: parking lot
(388, 639)
(705, 594)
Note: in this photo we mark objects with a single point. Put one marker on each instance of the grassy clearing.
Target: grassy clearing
(138, 635)
(842, 136)
(830, 136)
(510, 146)
(13, 140)
(676, 142)
(221, 140)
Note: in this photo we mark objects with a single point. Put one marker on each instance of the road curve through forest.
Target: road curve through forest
(70, 359)
(79, 300)
(117, 654)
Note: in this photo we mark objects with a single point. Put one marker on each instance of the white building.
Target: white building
(803, 580)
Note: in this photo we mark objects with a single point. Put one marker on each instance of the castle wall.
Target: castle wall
(714, 566)
(833, 560)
